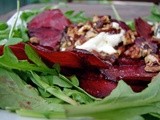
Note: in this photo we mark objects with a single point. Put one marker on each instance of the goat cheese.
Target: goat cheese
(103, 42)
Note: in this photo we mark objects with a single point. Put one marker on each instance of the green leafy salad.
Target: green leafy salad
(31, 88)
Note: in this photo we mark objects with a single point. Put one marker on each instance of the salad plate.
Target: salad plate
(62, 79)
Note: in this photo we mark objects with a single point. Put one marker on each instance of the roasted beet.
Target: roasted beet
(65, 59)
(48, 27)
(71, 59)
(49, 19)
(143, 28)
(90, 60)
(95, 84)
(18, 51)
(128, 73)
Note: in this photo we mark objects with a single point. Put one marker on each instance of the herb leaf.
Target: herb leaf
(123, 103)
(155, 14)
(9, 60)
(76, 17)
(33, 56)
(51, 89)
(16, 94)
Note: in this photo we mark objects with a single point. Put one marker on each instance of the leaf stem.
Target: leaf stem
(15, 22)
(116, 12)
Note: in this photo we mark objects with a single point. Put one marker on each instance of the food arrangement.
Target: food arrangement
(55, 66)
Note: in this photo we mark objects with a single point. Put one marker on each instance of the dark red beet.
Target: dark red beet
(18, 50)
(65, 59)
(48, 27)
(96, 85)
(143, 28)
(128, 73)
(49, 19)
(90, 60)
(71, 59)
(49, 37)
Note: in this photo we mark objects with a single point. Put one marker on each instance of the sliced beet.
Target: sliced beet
(49, 19)
(18, 51)
(48, 37)
(71, 59)
(99, 86)
(90, 60)
(128, 73)
(143, 28)
(48, 27)
(65, 59)
(96, 85)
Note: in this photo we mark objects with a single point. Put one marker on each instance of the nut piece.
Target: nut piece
(139, 50)
(34, 40)
(152, 63)
(129, 37)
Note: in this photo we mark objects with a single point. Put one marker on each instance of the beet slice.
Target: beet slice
(90, 60)
(18, 51)
(96, 85)
(99, 86)
(128, 73)
(71, 59)
(49, 19)
(65, 59)
(48, 27)
(143, 28)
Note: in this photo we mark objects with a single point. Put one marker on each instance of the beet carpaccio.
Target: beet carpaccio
(100, 52)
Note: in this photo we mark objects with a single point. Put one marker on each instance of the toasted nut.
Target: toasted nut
(129, 37)
(34, 40)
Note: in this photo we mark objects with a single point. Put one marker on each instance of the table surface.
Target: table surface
(127, 10)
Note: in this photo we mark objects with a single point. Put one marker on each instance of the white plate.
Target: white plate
(6, 115)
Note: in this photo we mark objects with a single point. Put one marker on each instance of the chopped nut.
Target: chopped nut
(151, 60)
(152, 63)
(152, 68)
(133, 52)
(83, 29)
(90, 34)
(34, 40)
(129, 37)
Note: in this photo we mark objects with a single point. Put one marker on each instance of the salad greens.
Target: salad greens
(123, 103)
(76, 17)
(33, 89)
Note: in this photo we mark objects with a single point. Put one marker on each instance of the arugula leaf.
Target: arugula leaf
(74, 80)
(123, 103)
(15, 94)
(55, 80)
(13, 41)
(33, 56)
(116, 12)
(78, 96)
(21, 32)
(131, 24)
(13, 27)
(4, 30)
(51, 89)
(27, 16)
(154, 14)
(3, 26)
(76, 87)
(76, 17)
(9, 61)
